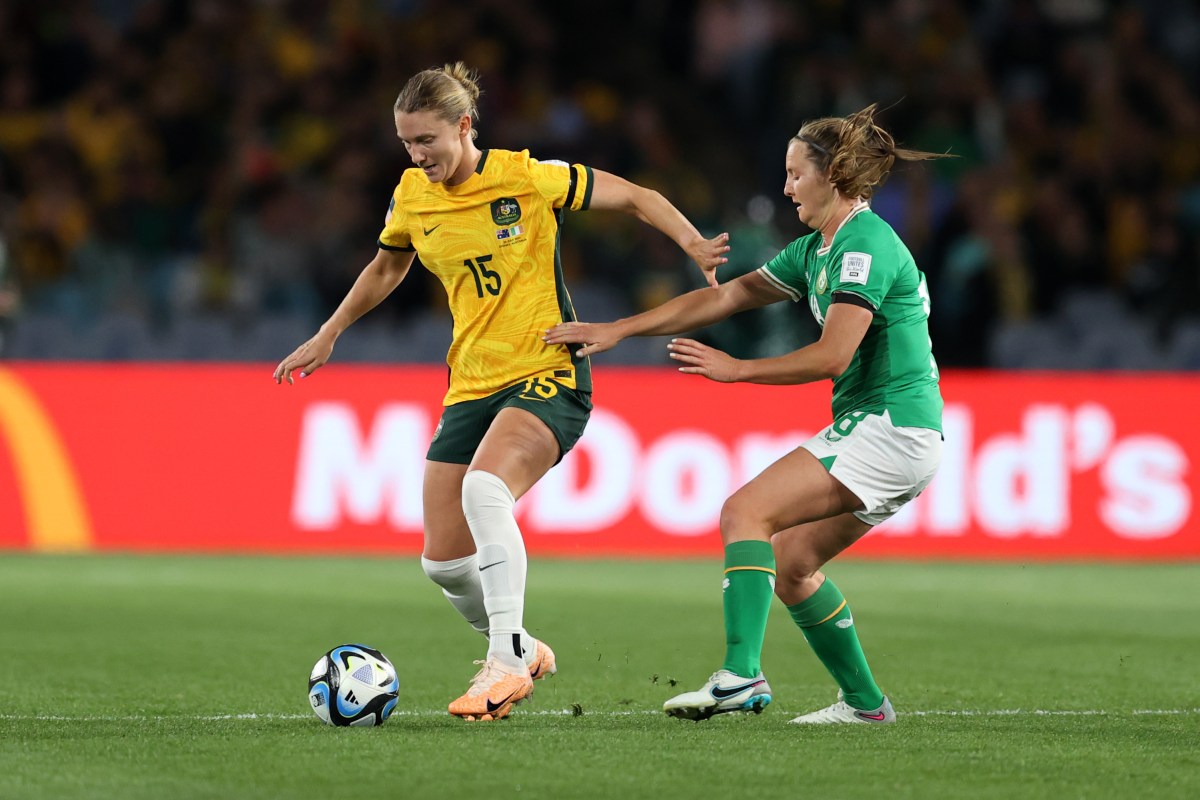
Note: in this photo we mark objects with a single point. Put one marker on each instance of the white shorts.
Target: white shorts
(883, 465)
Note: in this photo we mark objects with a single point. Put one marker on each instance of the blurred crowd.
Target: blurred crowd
(205, 178)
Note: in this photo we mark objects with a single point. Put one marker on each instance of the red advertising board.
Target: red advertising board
(219, 458)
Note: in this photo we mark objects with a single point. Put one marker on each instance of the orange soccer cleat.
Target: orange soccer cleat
(494, 690)
(543, 663)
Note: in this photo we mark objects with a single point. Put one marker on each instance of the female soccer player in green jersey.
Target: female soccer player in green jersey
(883, 447)
(486, 223)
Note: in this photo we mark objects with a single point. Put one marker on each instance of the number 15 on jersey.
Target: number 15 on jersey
(485, 278)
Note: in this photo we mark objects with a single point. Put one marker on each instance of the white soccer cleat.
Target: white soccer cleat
(841, 713)
(724, 692)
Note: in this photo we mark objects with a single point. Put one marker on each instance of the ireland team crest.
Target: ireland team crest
(822, 282)
(506, 211)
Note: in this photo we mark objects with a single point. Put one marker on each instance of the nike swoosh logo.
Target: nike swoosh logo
(880, 717)
(431, 230)
(491, 707)
(489, 566)
(719, 693)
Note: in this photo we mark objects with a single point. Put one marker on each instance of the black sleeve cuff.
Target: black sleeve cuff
(591, 184)
(571, 188)
(854, 300)
(395, 249)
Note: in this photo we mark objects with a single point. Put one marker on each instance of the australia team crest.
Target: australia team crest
(506, 211)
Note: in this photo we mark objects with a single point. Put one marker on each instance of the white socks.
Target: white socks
(492, 600)
(459, 580)
(488, 506)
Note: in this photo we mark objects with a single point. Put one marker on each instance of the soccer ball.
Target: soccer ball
(353, 684)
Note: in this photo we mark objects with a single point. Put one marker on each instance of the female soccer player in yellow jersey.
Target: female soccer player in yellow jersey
(884, 446)
(486, 223)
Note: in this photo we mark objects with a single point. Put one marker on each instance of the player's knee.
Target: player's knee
(795, 567)
(451, 575)
(730, 515)
(484, 493)
(793, 580)
(739, 521)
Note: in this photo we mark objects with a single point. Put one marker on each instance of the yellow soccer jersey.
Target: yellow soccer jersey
(493, 243)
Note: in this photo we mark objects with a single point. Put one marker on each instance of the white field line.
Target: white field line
(566, 712)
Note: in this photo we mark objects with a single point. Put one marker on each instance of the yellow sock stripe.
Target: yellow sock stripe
(56, 514)
(836, 611)
(767, 570)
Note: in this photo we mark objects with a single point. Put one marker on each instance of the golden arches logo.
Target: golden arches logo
(55, 513)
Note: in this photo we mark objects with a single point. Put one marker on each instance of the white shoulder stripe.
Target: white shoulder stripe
(778, 284)
(555, 163)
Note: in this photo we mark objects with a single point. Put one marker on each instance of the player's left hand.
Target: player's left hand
(710, 254)
(699, 359)
(596, 337)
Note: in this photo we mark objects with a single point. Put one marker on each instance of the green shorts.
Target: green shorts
(463, 425)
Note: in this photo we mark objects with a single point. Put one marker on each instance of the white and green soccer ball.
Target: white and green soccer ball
(355, 685)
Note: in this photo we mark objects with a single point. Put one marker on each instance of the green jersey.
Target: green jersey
(867, 265)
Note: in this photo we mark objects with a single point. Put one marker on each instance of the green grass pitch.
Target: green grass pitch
(185, 677)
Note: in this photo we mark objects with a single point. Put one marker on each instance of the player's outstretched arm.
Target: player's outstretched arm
(828, 357)
(377, 280)
(615, 193)
(684, 313)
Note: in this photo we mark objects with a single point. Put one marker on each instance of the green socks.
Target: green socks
(748, 588)
(828, 625)
(824, 618)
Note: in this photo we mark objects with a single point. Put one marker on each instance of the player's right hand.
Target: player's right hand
(307, 358)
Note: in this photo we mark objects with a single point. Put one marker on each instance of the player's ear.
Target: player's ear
(464, 125)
